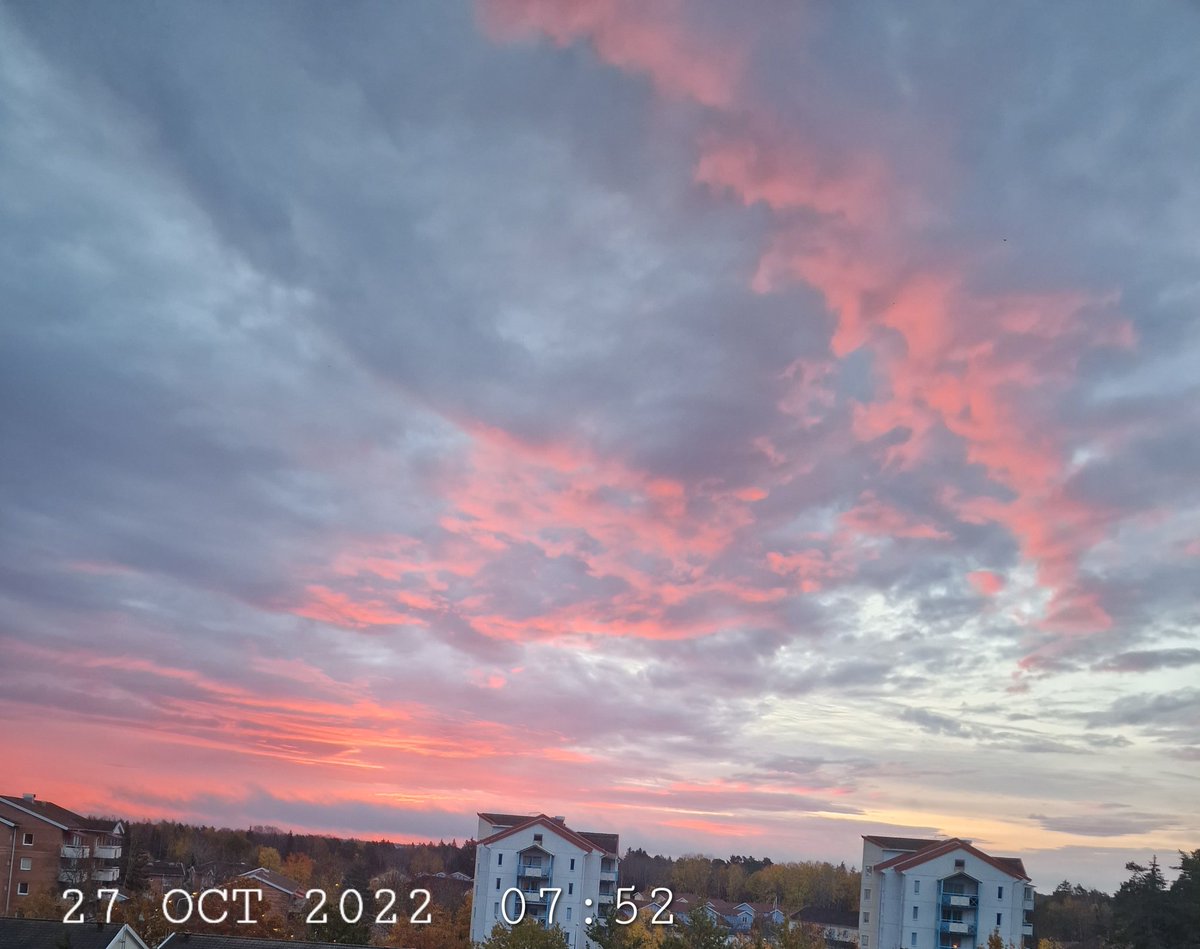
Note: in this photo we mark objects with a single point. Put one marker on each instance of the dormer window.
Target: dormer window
(960, 864)
(537, 838)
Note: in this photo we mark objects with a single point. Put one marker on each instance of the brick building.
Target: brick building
(44, 846)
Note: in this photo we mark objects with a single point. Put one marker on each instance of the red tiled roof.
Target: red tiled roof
(549, 822)
(1010, 865)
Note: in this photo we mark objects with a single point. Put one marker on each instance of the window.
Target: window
(866, 915)
(572, 863)
(999, 917)
(537, 838)
(495, 909)
(916, 887)
(914, 912)
(867, 895)
(869, 869)
(1029, 892)
(999, 892)
(26, 863)
(570, 888)
(866, 941)
(960, 864)
(913, 940)
(497, 883)
(499, 859)
(568, 914)
(22, 889)
(27, 840)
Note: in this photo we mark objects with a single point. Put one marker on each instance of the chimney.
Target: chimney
(28, 796)
(559, 820)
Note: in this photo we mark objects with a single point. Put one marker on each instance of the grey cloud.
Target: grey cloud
(1147, 660)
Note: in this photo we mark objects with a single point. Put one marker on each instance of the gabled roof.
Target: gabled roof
(549, 823)
(1010, 865)
(60, 817)
(107, 825)
(506, 820)
(273, 879)
(608, 843)
(38, 933)
(900, 843)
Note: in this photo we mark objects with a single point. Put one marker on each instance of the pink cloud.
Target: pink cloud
(986, 582)
(644, 38)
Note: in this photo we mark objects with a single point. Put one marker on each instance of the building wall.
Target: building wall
(870, 897)
(43, 856)
(499, 862)
(998, 894)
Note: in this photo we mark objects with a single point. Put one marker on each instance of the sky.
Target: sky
(742, 427)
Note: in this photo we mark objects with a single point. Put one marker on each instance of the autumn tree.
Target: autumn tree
(268, 858)
(45, 903)
(527, 934)
(445, 930)
(800, 936)
(298, 867)
(143, 912)
(692, 874)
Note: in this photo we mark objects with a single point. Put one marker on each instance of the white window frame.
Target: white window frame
(27, 840)
(26, 863)
(22, 889)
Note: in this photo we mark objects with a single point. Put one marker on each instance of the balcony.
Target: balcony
(107, 852)
(964, 900)
(957, 927)
(534, 872)
(69, 852)
(610, 875)
(72, 876)
(1026, 929)
(106, 875)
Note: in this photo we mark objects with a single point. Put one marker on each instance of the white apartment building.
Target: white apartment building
(521, 860)
(941, 894)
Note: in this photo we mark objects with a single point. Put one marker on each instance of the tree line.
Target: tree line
(1145, 913)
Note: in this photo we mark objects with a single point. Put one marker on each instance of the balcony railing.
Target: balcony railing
(957, 927)
(107, 852)
(106, 874)
(964, 900)
(1027, 929)
(75, 853)
(529, 870)
(608, 875)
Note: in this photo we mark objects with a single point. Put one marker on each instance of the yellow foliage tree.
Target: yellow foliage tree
(268, 858)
